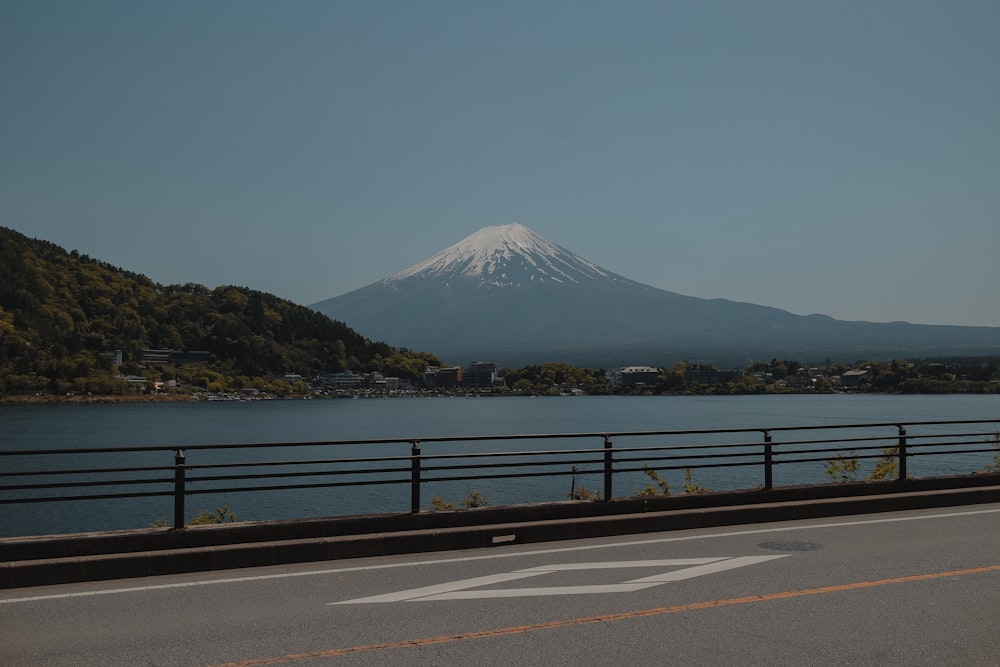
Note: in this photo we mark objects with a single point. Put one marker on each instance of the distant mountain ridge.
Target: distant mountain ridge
(508, 294)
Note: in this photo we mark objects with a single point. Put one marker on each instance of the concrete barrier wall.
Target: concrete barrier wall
(33, 561)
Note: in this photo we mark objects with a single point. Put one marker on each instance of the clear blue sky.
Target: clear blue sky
(834, 157)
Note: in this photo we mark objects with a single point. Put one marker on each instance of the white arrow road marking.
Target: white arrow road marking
(712, 568)
(425, 591)
(420, 562)
(535, 592)
(460, 590)
(620, 564)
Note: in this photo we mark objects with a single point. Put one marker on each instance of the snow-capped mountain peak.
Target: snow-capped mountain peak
(509, 295)
(502, 256)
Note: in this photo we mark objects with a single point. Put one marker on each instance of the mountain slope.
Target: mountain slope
(508, 294)
(62, 314)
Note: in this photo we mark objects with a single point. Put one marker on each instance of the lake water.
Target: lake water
(33, 427)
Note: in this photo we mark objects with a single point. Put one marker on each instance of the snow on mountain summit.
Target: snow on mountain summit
(509, 295)
(505, 255)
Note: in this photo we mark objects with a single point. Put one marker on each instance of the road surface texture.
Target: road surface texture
(904, 588)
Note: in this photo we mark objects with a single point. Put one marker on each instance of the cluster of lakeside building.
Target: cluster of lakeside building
(488, 377)
(478, 374)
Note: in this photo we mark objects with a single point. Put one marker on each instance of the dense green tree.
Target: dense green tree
(672, 379)
(555, 377)
(62, 314)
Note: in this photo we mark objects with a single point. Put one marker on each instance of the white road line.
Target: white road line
(711, 568)
(458, 589)
(536, 592)
(618, 564)
(427, 591)
(492, 556)
(462, 590)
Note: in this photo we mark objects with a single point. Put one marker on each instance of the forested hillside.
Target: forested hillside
(62, 315)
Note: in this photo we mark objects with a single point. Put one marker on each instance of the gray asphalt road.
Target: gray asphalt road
(908, 588)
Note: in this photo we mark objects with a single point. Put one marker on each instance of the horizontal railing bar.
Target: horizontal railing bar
(874, 456)
(687, 447)
(788, 443)
(85, 471)
(318, 473)
(319, 443)
(480, 455)
(565, 473)
(423, 467)
(893, 424)
(597, 451)
(482, 438)
(520, 464)
(286, 487)
(468, 455)
(428, 457)
(561, 468)
(578, 472)
(397, 481)
(368, 471)
(71, 485)
(725, 464)
(264, 464)
(624, 459)
(436, 457)
(103, 496)
(952, 451)
(735, 464)
(203, 447)
(408, 458)
(952, 442)
(984, 434)
(878, 448)
(824, 459)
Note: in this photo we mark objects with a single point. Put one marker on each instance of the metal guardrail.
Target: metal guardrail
(675, 450)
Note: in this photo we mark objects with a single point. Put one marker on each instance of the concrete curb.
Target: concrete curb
(40, 571)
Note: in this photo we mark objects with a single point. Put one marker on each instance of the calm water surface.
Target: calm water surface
(185, 424)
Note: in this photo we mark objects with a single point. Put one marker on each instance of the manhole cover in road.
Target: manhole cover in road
(790, 546)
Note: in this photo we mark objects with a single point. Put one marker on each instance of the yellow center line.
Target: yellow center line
(606, 618)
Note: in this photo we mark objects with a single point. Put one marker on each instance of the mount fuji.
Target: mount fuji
(508, 294)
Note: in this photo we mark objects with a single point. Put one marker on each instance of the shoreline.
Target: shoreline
(182, 398)
(104, 398)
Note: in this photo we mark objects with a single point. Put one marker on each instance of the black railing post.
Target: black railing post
(415, 477)
(902, 452)
(608, 467)
(179, 489)
(768, 462)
